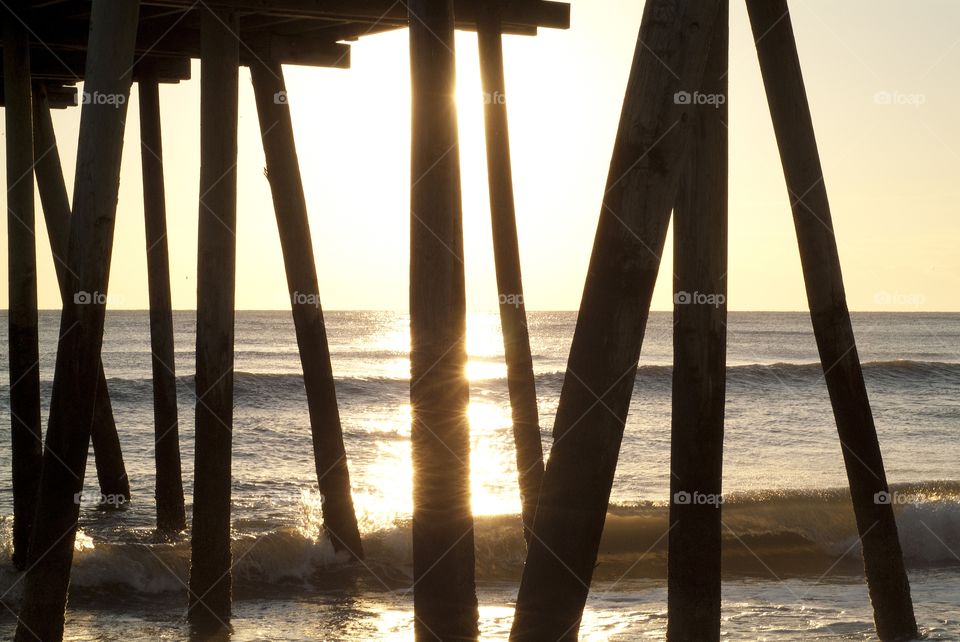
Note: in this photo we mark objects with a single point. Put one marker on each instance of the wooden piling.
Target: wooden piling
(783, 80)
(521, 382)
(108, 455)
(113, 28)
(445, 602)
(648, 152)
(283, 172)
(171, 515)
(210, 577)
(699, 361)
(24, 348)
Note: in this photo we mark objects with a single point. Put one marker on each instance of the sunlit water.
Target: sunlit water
(790, 554)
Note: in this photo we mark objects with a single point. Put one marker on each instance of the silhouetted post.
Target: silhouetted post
(108, 456)
(783, 80)
(699, 361)
(25, 431)
(171, 516)
(283, 172)
(210, 578)
(648, 152)
(506, 252)
(444, 597)
(113, 29)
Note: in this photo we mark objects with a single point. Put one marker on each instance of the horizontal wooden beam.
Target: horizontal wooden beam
(59, 96)
(529, 13)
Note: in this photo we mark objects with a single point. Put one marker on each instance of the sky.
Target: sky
(882, 81)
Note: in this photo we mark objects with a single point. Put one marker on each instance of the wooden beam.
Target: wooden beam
(532, 13)
(290, 204)
(444, 596)
(648, 151)
(699, 360)
(793, 124)
(171, 515)
(108, 455)
(112, 29)
(24, 343)
(521, 382)
(210, 576)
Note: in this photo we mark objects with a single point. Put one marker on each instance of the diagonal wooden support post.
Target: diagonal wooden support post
(783, 79)
(24, 345)
(290, 204)
(113, 29)
(108, 456)
(699, 360)
(521, 382)
(171, 514)
(670, 57)
(444, 597)
(210, 570)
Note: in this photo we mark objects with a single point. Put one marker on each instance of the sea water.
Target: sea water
(791, 555)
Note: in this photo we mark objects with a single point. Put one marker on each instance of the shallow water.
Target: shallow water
(790, 555)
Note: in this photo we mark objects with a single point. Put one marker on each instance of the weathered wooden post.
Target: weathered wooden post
(521, 382)
(25, 430)
(783, 79)
(108, 456)
(699, 359)
(171, 515)
(210, 577)
(648, 152)
(445, 602)
(283, 172)
(113, 29)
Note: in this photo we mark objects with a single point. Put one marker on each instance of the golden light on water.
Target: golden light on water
(387, 490)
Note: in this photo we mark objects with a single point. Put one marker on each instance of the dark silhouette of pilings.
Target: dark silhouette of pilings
(24, 347)
(883, 559)
(113, 28)
(108, 455)
(521, 383)
(171, 515)
(210, 576)
(699, 362)
(283, 172)
(648, 152)
(445, 603)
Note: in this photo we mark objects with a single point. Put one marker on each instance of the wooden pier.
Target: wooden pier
(669, 158)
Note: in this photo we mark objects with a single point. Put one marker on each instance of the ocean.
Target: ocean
(791, 559)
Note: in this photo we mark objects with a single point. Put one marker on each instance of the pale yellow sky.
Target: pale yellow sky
(890, 168)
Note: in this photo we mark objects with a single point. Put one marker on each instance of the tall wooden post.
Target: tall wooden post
(699, 360)
(793, 124)
(445, 601)
(108, 456)
(648, 152)
(113, 29)
(171, 516)
(521, 382)
(283, 172)
(25, 431)
(210, 578)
